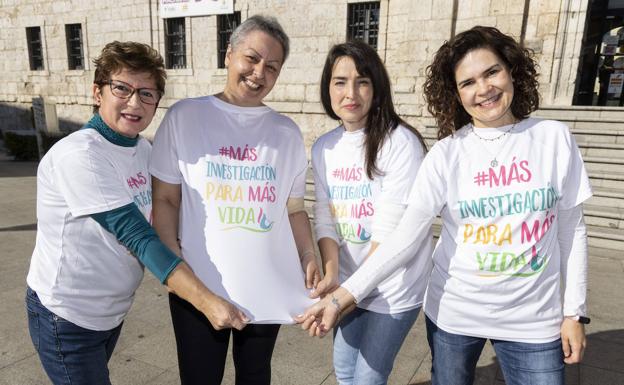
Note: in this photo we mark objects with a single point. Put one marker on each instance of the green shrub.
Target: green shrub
(22, 147)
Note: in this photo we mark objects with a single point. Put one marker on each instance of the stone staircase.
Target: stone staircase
(599, 132)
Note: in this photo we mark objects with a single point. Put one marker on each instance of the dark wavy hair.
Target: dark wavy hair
(440, 87)
(136, 57)
(382, 118)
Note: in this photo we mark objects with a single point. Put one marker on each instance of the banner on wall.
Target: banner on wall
(183, 8)
(615, 84)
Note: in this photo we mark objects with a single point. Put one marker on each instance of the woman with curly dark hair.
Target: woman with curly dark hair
(511, 262)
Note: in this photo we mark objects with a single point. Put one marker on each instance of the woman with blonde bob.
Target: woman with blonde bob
(511, 262)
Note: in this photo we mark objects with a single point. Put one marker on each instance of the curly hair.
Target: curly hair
(136, 57)
(440, 87)
(382, 118)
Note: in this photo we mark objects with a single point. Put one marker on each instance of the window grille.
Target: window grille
(75, 52)
(226, 24)
(175, 43)
(363, 22)
(35, 48)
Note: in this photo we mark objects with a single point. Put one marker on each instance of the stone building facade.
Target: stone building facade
(410, 31)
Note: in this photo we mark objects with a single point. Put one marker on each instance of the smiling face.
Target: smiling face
(127, 117)
(485, 88)
(351, 94)
(253, 66)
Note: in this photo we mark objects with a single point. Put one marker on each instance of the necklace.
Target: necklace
(494, 162)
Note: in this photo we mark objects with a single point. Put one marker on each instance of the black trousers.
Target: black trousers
(202, 350)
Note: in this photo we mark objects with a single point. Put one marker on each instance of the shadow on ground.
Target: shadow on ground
(13, 168)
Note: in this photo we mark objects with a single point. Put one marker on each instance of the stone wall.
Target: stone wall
(410, 33)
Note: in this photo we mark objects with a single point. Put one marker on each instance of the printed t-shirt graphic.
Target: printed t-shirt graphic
(499, 242)
(237, 167)
(356, 203)
(80, 271)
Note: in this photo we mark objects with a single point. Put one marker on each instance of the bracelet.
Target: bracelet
(307, 252)
(335, 302)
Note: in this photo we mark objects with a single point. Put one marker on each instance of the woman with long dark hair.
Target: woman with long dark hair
(363, 172)
(511, 262)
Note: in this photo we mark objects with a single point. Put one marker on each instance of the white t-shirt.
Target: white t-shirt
(79, 270)
(496, 271)
(348, 204)
(237, 167)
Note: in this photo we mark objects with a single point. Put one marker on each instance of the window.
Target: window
(75, 53)
(363, 22)
(35, 48)
(225, 26)
(175, 43)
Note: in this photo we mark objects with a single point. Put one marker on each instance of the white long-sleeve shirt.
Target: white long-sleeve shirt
(355, 211)
(506, 245)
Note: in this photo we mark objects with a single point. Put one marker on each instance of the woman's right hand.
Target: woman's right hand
(223, 315)
(328, 284)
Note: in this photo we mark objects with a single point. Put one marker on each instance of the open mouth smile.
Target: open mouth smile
(131, 117)
(251, 84)
(490, 101)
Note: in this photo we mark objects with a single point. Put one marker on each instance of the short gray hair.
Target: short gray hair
(266, 24)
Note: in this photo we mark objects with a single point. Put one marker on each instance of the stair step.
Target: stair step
(605, 243)
(598, 182)
(609, 192)
(605, 238)
(604, 127)
(598, 252)
(599, 139)
(600, 221)
(604, 212)
(607, 197)
(599, 145)
(604, 171)
(580, 112)
(608, 161)
(605, 233)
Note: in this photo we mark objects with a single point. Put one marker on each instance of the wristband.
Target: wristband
(580, 319)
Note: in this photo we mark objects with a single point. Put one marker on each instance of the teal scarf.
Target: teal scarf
(98, 124)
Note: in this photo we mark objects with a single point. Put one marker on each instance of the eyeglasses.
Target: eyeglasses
(124, 90)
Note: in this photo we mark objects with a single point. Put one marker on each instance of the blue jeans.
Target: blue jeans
(366, 344)
(70, 354)
(455, 359)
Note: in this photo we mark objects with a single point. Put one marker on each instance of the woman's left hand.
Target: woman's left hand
(319, 318)
(311, 270)
(573, 340)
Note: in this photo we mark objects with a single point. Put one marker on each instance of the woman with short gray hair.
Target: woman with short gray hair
(229, 180)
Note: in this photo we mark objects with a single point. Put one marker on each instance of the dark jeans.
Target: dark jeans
(202, 350)
(455, 358)
(70, 354)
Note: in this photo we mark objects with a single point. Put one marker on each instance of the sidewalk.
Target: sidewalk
(146, 351)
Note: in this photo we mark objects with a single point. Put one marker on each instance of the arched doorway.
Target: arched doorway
(601, 64)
